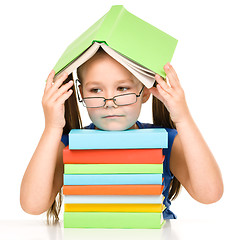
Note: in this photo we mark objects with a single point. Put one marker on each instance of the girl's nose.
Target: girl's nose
(110, 103)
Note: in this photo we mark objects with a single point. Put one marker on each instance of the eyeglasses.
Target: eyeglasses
(119, 100)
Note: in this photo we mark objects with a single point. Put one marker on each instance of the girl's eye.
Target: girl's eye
(95, 90)
(123, 89)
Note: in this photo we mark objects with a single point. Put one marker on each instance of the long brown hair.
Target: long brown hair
(72, 121)
(161, 117)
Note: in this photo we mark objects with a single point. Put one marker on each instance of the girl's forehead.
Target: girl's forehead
(113, 81)
(102, 68)
(103, 64)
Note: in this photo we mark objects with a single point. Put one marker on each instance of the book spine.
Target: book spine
(110, 207)
(112, 168)
(149, 189)
(155, 199)
(130, 139)
(113, 156)
(111, 179)
(111, 19)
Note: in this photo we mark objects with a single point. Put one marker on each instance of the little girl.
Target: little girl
(188, 160)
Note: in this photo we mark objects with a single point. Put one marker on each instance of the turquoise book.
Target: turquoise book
(112, 179)
(127, 139)
(138, 45)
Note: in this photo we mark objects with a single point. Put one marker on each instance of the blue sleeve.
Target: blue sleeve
(64, 139)
(167, 151)
(167, 175)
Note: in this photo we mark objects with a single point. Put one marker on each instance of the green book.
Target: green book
(113, 220)
(139, 46)
(112, 168)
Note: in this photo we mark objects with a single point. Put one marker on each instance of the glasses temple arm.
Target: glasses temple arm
(77, 91)
(140, 91)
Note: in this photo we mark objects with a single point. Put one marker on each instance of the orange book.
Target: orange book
(104, 156)
(113, 189)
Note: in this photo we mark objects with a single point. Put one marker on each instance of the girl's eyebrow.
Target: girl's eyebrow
(125, 81)
(93, 83)
(116, 82)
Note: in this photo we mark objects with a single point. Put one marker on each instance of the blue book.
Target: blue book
(128, 139)
(112, 179)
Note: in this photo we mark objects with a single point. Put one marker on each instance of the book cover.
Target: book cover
(149, 189)
(113, 156)
(127, 34)
(127, 139)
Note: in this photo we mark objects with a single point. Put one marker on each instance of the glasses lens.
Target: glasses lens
(93, 102)
(125, 99)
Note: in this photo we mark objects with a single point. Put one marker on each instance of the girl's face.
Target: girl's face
(103, 76)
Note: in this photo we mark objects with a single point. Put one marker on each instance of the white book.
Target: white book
(155, 199)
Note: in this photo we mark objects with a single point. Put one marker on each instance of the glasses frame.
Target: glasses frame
(107, 99)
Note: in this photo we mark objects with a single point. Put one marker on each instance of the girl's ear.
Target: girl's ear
(146, 94)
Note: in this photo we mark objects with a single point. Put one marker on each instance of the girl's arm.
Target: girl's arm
(191, 160)
(194, 165)
(43, 177)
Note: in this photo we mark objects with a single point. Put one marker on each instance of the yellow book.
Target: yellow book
(113, 207)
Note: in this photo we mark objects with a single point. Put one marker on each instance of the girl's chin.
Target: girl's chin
(112, 128)
(115, 127)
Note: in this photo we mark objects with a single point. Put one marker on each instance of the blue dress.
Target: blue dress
(167, 175)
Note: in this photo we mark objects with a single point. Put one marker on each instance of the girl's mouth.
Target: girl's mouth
(113, 116)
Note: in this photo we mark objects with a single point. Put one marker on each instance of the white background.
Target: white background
(34, 34)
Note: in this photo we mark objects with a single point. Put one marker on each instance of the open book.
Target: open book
(139, 46)
(143, 74)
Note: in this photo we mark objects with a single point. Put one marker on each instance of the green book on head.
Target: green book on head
(139, 46)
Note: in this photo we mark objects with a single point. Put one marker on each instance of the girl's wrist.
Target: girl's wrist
(56, 131)
(187, 120)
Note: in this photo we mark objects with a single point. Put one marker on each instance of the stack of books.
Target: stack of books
(113, 179)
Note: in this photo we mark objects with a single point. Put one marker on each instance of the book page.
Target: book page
(146, 78)
(85, 56)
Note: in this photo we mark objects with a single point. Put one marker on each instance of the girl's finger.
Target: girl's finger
(170, 69)
(56, 85)
(61, 90)
(165, 95)
(163, 84)
(173, 72)
(60, 80)
(64, 96)
(49, 80)
(172, 76)
(154, 91)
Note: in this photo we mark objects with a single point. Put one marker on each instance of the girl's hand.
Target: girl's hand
(172, 96)
(53, 100)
